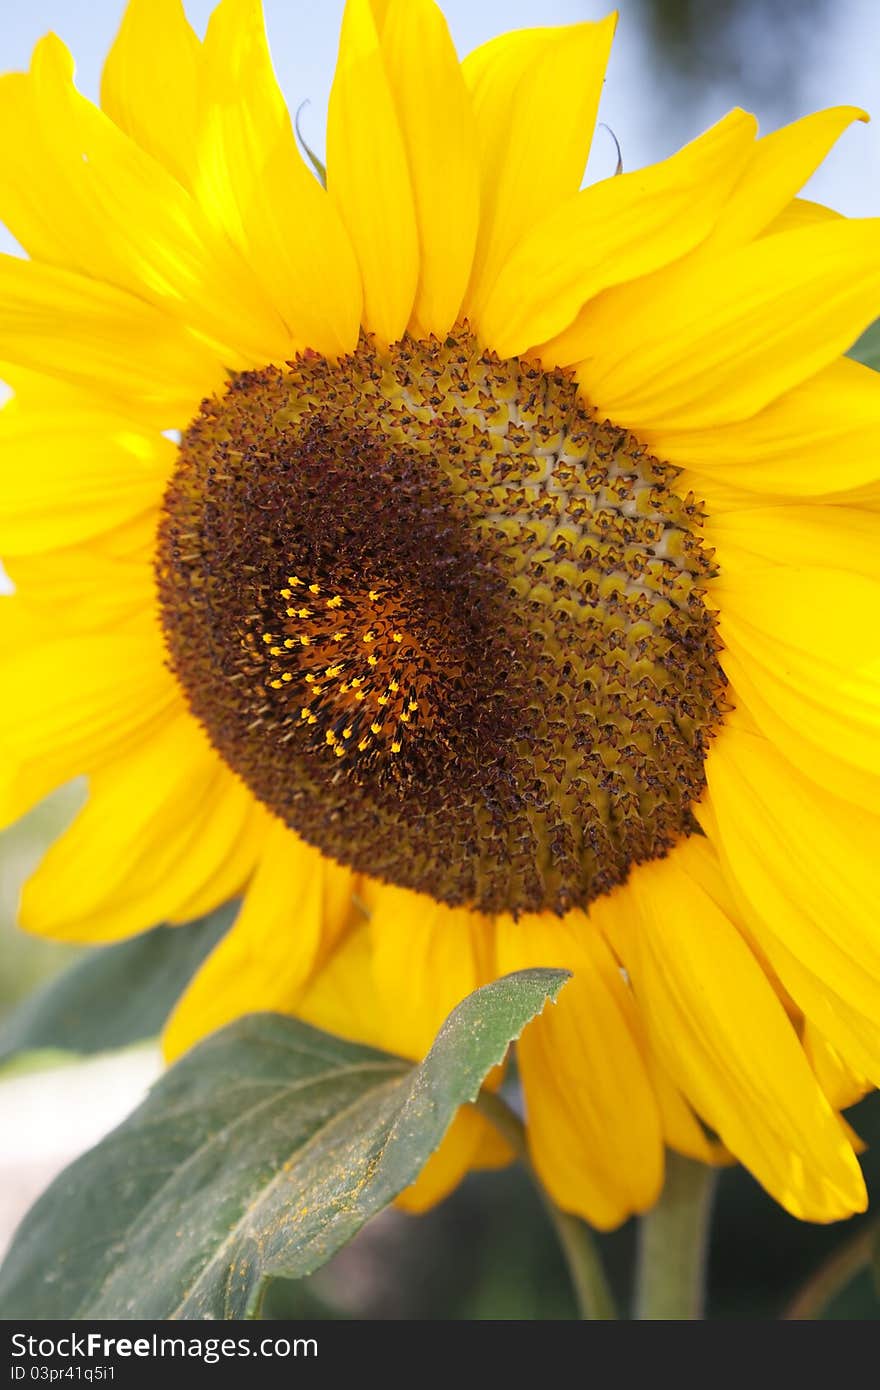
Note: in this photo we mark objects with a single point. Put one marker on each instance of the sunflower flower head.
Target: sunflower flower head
(445, 622)
(504, 602)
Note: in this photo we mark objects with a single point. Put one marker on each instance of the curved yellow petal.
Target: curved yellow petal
(724, 1037)
(69, 474)
(114, 345)
(801, 212)
(800, 633)
(149, 85)
(613, 231)
(73, 703)
(535, 93)
(252, 183)
(841, 1083)
(297, 904)
(754, 696)
(821, 437)
(854, 1031)
(593, 1122)
(436, 121)
(806, 536)
(81, 194)
(426, 958)
(106, 584)
(806, 864)
(368, 176)
(166, 829)
(780, 166)
(714, 341)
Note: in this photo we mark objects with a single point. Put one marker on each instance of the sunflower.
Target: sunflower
(467, 569)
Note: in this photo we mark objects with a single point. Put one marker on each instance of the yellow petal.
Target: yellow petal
(801, 212)
(101, 586)
(754, 695)
(780, 166)
(252, 183)
(71, 704)
(368, 176)
(854, 1032)
(296, 905)
(79, 193)
(841, 1083)
(166, 826)
(800, 633)
(426, 958)
(751, 539)
(436, 120)
(613, 231)
(823, 436)
(470, 1142)
(116, 346)
(714, 341)
(804, 861)
(724, 1037)
(535, 93)
(149, 85)
(593, 1122)
(67, 475)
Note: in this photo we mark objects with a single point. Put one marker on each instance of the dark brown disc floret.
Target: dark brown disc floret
(443, 621)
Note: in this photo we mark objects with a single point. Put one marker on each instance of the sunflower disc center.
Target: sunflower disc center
(443, 621)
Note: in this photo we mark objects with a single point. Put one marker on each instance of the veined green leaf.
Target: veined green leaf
(114, 995)
(260, 1153)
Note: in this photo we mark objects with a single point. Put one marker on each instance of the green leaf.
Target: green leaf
(259, 1154)
(114, 995)
(867, 349)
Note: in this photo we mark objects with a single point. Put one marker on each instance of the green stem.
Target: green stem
(833, 1276)
(594, 1298)
(674, 1243)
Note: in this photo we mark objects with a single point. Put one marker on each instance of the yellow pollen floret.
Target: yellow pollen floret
(395, 747)
(335, 601)
(375, 728)
(330, 736)
(314, 588)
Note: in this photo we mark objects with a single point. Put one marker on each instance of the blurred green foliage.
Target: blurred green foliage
(759, 43)
(28, 960)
